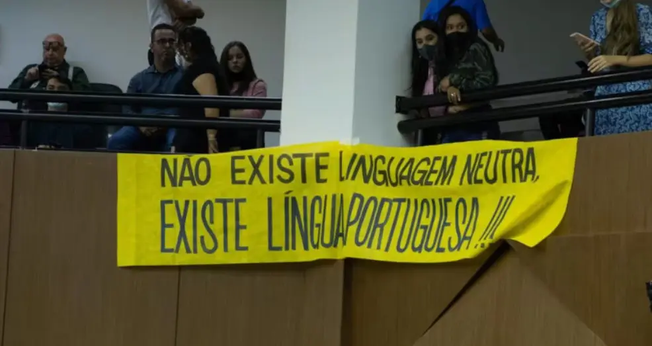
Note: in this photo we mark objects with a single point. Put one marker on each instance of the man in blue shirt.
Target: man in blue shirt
(160, 78)
(477, 9)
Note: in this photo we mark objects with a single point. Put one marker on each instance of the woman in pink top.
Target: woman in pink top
(242, 81)
(428, 61)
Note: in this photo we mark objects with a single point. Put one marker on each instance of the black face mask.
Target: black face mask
(430, 52)
(458, 41)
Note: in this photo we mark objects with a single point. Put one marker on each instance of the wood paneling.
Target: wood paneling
(509, 306)
(599, 259)
(282, 305)
(6, 191)
(582, 286)
(65, 288)
(394, 304)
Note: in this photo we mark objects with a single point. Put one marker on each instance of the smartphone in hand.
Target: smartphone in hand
(583, 39)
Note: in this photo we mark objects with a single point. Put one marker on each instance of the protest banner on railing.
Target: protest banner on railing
(331, 201)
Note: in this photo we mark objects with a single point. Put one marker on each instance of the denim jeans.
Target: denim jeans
(58, 135)
(458, 135)
(130, 138)
(5, 133)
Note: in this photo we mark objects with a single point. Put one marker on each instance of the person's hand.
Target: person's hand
(445, 84)
(49, 73)
(499, 45)
(588, 47)
(414, 113)
(602, 62)
(199, 12)
(454, 95)
(178, 25)
(181, 23)
(454, 109)
(148, 131)
(212, 146)
(32, 74)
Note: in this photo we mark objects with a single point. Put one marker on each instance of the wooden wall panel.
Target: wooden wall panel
(6, 191)
(393, 304)
(583, 286)
(598, 260)
(612, 189)
(65, 288)
(590, 274)
(272, 305)
(509, 306)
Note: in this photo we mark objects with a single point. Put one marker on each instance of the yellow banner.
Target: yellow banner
(331, 201)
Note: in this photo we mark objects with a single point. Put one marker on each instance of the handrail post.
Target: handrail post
(420, 138)
(260, 139)
(23, 134)
(590, 122)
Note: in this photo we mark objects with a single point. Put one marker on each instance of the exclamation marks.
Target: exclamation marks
(504, 203)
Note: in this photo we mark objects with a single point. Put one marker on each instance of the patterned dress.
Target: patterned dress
(624, 119)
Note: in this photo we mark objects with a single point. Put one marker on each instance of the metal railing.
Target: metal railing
(261, 126)
(406, 104)
(151, 100)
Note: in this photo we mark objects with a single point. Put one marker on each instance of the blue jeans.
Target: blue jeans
(457, 135)
(5, 133)
(58, 135)
(130, 138)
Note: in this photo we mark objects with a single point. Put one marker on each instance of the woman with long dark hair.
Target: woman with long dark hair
(470, 66)
(202, 76)
(242, 80)
(621, 34)
(428, 63)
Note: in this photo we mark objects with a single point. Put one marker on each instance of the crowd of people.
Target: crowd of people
(181, 60)
(448, 57)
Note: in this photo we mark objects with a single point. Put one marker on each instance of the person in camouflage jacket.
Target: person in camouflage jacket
(470, 66)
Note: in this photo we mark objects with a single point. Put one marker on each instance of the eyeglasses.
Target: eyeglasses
(52, 45)
(166, 41)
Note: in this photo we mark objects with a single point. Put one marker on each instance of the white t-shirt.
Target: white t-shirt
(159, 13)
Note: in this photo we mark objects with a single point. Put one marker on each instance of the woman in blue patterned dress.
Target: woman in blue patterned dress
(622, 32)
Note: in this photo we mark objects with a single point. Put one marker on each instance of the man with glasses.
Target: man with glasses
(178, 13)
(36, 76)
(160, 78)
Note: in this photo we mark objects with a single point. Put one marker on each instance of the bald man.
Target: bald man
(36, 76)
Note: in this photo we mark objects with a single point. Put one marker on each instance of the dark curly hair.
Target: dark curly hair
(200, 43)
(202, 50)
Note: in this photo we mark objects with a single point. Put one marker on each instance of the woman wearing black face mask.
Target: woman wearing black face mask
(470, 66)
(427, 69)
